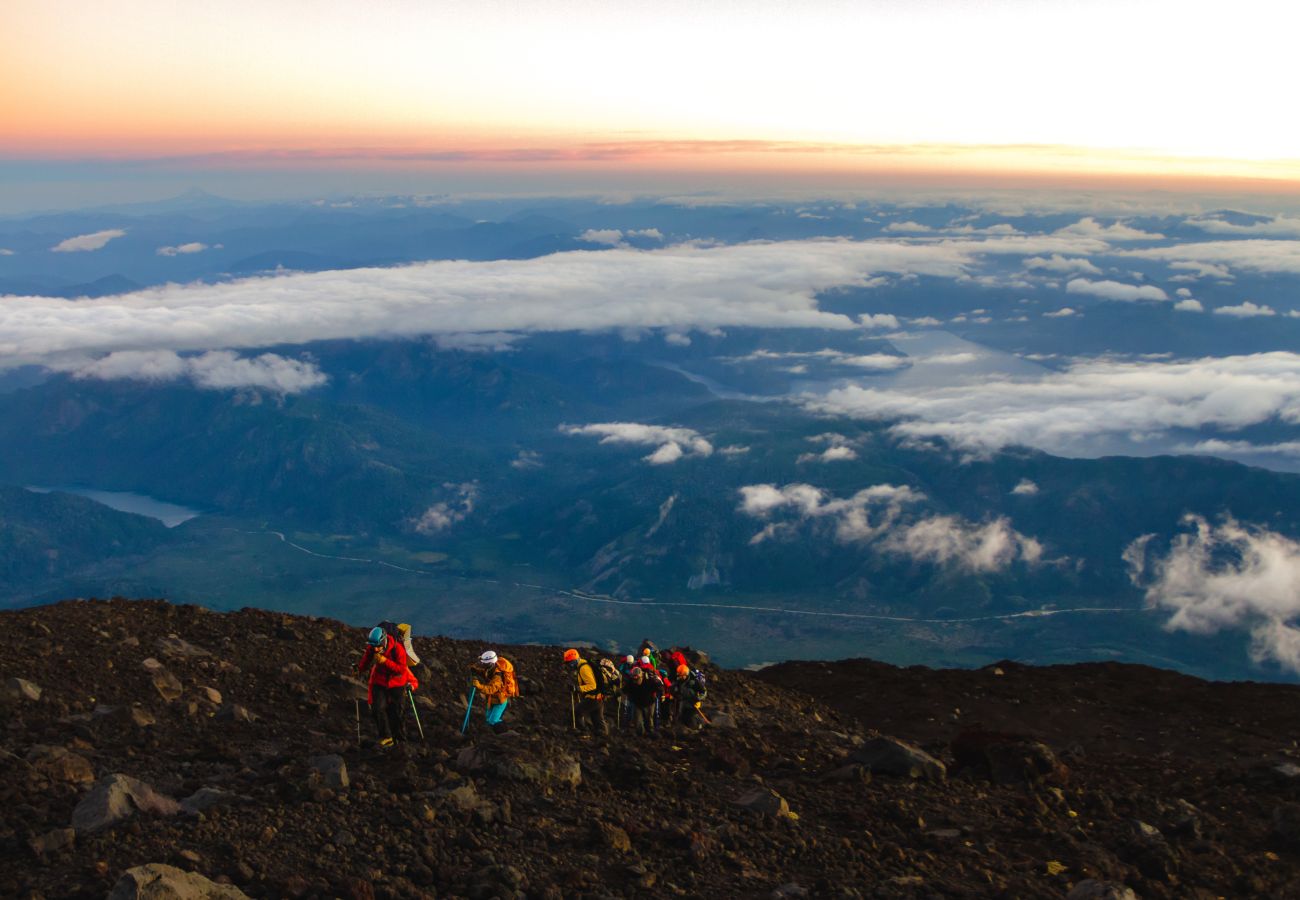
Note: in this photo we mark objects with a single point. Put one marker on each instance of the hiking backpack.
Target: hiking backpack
(395, 632)
(699, 684)
(507, 670)
(608, 673)
(598, 674)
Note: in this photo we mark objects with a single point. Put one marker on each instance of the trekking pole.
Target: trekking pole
(357, 702)
(573, 714)
(469, 708)
(410, 695)
(701, 714)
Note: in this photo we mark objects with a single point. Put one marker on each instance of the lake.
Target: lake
(170, 514)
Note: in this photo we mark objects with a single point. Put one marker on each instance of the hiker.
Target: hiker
(642, 690)
(497, 684)
(624, 708)
(691, 691)
(589, 702)
(390, 679)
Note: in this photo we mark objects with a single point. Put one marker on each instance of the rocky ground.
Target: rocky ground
(219, 752)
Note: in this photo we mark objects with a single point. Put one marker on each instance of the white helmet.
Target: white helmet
(630, 659)
(489, 658)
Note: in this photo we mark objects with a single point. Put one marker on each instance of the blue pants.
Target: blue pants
(494, 713)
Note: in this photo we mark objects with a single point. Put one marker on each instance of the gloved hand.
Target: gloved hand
(380, 659)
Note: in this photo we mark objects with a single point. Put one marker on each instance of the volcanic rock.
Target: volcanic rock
(53, 841)
(333, 771)
(57, 764)
(118, 797)
(22, 689)
(173, 646)
(1092, 889)
(764, 802)
(156, 881)
(890, 756)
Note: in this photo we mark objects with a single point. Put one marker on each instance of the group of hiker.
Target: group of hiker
(647, 691)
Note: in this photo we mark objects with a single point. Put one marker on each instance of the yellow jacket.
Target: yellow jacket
(586, 679)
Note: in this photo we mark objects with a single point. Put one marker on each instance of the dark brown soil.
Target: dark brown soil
(1051, 772)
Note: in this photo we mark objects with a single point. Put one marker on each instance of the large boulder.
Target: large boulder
(58, 764)
(890, 756)
(1008, 758)
(156, 881)
(118, 797)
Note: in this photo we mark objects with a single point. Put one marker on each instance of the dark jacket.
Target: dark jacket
(642, 693)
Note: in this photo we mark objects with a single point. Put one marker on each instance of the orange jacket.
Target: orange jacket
(494, 690)
(393, 672)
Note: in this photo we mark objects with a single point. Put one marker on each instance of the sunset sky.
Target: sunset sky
(1170, 92)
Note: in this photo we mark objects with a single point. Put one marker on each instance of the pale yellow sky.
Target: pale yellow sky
(1091, 86)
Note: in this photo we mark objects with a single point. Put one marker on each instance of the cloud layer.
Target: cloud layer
(680, 288)
(215, 370)
(878, 516)
(1062, 412)
(1227, 576)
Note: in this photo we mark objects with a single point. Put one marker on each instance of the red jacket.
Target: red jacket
(393, 672)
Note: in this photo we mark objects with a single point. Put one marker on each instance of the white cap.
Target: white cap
(488, 658)
(630, 659)
(645, 659)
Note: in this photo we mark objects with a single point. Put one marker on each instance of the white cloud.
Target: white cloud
(838, 449)
(1227, 576)
(878, 320)
(1189, 304)
(1216, 447)
(86, 242)
(677, 339)
(1115, 290)
(1090, 228)
(526, 460)
(1278, 226)
(949, 540)
(215, 370)
(908, 228)
(1062, 313)
(678, 288)
(733, 450)
(5, 251)
(184, 249)
(1025, 488)
(650, 233)
(1183, 292)
(1058, 263)
(875, 515)
(673, 443)
(1267, 257)
(876, 362)
(925, 321)
(1202, 269)
(1086, 407)
(611, 236)
(1245, 310)
(446, 513)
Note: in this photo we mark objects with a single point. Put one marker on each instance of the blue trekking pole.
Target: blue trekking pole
(468, 709)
